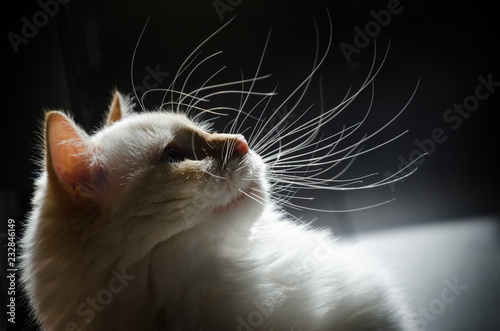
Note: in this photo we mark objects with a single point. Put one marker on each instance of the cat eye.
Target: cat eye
(171, 155)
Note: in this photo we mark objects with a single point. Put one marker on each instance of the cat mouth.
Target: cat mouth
(242, 196)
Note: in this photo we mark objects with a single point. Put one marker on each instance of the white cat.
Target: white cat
(155, 223)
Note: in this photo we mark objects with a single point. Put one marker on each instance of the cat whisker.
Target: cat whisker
(323, 183)
(248, 114)
(240, 168)
(193, 147)
(213, 110)
(242, 106)
(254, 197)
(241, 165)
(349, 149)
(167, 91)
(302, 207)
(194, 69)
(305, 82)
(397, 176)
(332, 113)
(172, 102)
(214, 175)
(181, 68)
(203, 110)
(133, 61)
(224, 153)
(273, 157)
(238, 111)
(341, 172)
(350, 131)
(276, 137)
(197, 91)
(318, 184)
(178, 74)
(217, 86)
(312, 182)
(260, 121)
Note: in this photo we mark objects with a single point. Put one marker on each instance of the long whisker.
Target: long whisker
(133, 61)
(302, 207)
(298, 155)
(194, 69)
(253, 81)
(305, 82)
(254, 197)
(196, 50)
(332, 113)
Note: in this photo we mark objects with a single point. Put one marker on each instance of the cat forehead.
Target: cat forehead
(158, 121)
(154, 124)
(138, 136)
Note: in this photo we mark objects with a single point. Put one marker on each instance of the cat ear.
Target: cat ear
(117, 110)
(67, 153)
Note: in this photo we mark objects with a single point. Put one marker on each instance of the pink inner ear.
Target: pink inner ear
(68, 150)
(115, 110)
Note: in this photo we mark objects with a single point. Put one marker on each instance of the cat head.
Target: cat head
(144, 178)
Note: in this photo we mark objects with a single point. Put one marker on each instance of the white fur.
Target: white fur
(189, 262)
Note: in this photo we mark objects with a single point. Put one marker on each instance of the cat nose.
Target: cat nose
(228, 145)
(241, 146)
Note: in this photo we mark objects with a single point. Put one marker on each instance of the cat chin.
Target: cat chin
(246, 197)
(239, 200)
(244, 207)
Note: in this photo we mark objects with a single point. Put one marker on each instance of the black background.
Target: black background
(85, 50)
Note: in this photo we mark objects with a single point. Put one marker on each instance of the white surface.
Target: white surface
(429, 257)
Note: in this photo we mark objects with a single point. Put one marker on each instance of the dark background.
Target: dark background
(84, 49)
